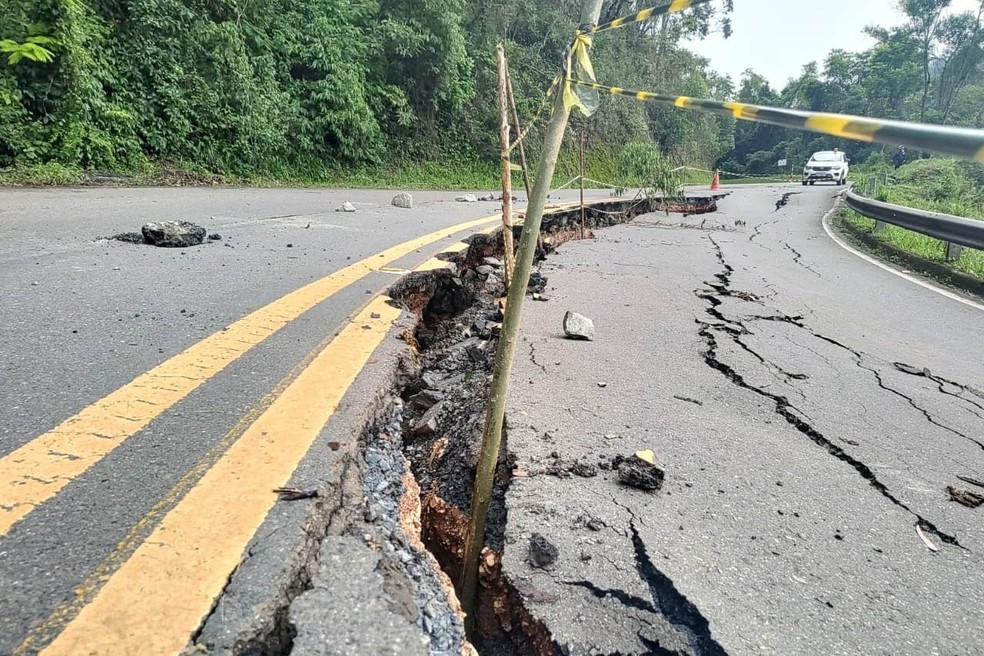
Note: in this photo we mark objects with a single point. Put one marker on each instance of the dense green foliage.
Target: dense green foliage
(372, 90)
(270, 87)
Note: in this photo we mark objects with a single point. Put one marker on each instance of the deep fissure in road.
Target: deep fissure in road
(735, 328)
(427, 453)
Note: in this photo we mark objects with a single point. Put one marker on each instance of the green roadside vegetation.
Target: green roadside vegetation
(939, 185)
(402, 93)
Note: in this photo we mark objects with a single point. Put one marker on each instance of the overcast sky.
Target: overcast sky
(777, 37)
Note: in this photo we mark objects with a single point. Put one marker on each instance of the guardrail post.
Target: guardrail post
(953, 251)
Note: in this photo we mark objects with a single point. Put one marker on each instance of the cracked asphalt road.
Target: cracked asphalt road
(810, 411)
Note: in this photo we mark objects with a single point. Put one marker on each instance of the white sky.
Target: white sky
(777, 38)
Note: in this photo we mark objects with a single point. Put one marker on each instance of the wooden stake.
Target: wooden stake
(507, 223)
(502, 368)
(519, 132)
(581, 178)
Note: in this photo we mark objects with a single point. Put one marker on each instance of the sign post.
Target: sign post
(782, 165)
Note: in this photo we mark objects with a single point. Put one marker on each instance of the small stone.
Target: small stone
(215, 237)
(584, 469)
(35, 283)
(346, 207)
(173, 234)
(404, 201)
(485, 270)
(427, 425)
(577, 326)
(542, 553)
(467, 198)
(488, 197)
(636, 472)
(595, 524)
(602, 385)
(375, 315)
(493, 261)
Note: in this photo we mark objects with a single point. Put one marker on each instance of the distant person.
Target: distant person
(898, 159)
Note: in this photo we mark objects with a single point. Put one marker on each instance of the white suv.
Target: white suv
(827, 165)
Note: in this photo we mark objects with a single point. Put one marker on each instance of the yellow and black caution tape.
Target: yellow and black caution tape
(670, 7)
(577, 63)
(960, 142)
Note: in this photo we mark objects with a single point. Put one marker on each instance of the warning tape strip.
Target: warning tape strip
(960, 142)
(671, 7)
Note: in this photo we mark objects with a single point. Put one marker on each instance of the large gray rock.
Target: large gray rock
(577, 326)
(346, 207)
(173, 234)
(467, 198)
(403, 200)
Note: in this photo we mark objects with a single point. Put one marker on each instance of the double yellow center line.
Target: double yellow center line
(38, 470)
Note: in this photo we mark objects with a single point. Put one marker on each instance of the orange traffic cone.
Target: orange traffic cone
(716, 183)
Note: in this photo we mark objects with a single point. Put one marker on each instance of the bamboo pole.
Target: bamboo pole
(507, 223)
(502, 368)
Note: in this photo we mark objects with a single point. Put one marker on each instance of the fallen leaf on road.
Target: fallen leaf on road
(965, 497)
(294, 494)
(926, 540)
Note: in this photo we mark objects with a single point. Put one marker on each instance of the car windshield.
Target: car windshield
(826, 157)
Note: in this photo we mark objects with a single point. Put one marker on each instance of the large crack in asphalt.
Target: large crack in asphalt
(794, 416)
(690, 625)
(942, 383)
(798, 259)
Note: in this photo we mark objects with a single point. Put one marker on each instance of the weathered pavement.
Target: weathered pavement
(810, 411)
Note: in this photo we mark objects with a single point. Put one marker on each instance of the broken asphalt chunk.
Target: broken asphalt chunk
(173, 234)
(543, 554)
(427, 425)
(578, 326)
(636, 472)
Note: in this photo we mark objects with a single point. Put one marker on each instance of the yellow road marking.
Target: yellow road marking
(161, 594)
(38, 470)
(43, 633)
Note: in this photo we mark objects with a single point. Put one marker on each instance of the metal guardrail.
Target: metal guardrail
(954, 230)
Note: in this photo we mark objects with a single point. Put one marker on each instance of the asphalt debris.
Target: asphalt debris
(543, 553)
(637, 473)
(128, 238)
(782, 202)
(173, 234)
